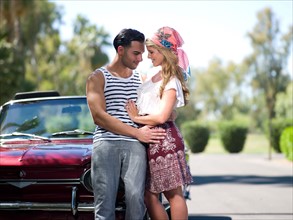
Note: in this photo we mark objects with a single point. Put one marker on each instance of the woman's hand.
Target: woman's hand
(131, 110)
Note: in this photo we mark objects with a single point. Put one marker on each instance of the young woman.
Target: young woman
(158, 97)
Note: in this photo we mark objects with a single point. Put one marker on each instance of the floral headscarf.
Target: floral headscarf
(169, 38)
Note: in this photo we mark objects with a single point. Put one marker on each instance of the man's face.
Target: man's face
(132, 55)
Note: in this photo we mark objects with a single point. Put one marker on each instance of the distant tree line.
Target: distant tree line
(34, 57)
(254, 91)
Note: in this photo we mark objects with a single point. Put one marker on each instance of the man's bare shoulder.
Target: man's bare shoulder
(96, 74)
(95, 81)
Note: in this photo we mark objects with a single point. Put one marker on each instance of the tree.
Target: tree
(64, 66)
(81, 55)
(22, 26)
(11, 67)
(41, 39)
(267, 64)
(219, 90)
(33, 56)
(269, 59)
(12, 64)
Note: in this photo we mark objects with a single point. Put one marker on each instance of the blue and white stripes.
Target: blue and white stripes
(117, 91)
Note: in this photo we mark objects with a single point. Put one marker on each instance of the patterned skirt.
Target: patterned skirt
(167, 165)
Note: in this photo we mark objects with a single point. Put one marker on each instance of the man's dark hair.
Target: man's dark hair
(125, 37)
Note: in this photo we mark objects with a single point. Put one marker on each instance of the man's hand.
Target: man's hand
(150, 135)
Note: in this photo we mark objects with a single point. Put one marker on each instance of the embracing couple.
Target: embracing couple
(136, 138)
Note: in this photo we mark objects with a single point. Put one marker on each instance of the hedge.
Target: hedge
(233, 136)
(196, 136)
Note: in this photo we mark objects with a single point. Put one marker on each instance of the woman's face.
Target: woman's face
(155, 56)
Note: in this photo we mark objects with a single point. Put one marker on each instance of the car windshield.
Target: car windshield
(64, 117)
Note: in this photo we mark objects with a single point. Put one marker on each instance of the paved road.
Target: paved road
(240, 187)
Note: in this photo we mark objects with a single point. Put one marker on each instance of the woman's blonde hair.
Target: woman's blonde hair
(170, 68)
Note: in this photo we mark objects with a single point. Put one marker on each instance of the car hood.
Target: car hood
(55, 153)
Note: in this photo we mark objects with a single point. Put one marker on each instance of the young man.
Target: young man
(117, 148)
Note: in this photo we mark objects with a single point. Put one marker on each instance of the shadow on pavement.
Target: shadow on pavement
(201, 217)
(248, 179)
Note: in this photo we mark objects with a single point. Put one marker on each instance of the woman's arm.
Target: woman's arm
(164, 112)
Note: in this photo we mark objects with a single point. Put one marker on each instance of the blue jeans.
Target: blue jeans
(112, 160)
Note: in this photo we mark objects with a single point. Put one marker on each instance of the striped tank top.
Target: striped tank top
(117, 91)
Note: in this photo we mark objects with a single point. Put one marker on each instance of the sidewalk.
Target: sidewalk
(240, 187)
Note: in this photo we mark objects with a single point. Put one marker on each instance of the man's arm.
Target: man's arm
(97, 105)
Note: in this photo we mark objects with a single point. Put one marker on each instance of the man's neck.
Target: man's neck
(119, 71)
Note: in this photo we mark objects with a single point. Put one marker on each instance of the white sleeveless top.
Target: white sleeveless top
(148, 98)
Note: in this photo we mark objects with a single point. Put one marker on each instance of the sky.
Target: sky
(210, 28)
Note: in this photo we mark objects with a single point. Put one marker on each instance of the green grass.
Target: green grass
(254, 144)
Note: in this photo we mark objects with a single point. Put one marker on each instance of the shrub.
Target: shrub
(232, 136)
(286, 142)
(278, 125)
(196, 136)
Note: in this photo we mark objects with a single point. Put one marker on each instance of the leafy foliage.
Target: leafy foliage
(286, 142)
(284, 103)
(233, 136)
(277, 126)
(269, 58)
(219, 91)
(12, 67)
(196, 136)
(33, 56)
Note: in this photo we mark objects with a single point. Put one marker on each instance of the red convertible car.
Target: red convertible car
(45, 158)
